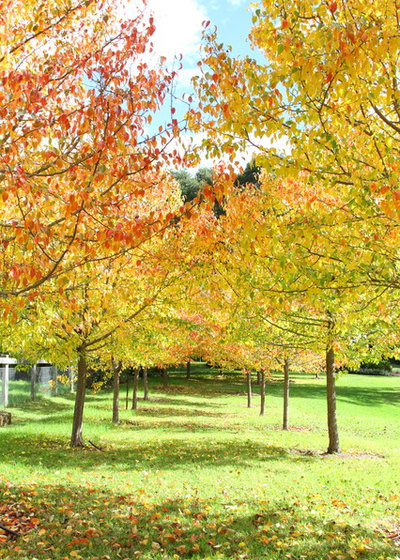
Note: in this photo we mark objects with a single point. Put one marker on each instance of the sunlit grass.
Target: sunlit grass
(195, 474)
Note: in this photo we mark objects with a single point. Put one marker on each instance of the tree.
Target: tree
(106, 305)
(188, 184)
(76, 99)
(323, 103)
(204, 176)
(282, 292)
(116, 370)
(250, 175)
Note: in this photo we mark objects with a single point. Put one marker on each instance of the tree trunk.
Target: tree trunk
(76, 436)
(249, 394)
(285, 394)
(116, 369)
(334, 446)
(188, 369)
(33, 382)
(262, 393)
(165, 378)
(135, 387)
(145, 385)
(127, 391)
(258, 378)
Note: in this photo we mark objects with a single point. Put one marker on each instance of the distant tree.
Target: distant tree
(188, 184)
(250, 175)
(204, 176)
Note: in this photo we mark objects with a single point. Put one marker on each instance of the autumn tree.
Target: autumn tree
(287, 285)
(320, 112)
(77, 96)
(324, 103)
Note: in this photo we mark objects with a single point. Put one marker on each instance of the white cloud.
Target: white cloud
(178, 27)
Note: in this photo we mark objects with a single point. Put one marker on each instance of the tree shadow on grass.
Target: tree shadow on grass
(93, 522)
(218, 386)
(177, 426)
(179, 402)
(40, 411)
(361, 396)
(156, 412)
(172, 454)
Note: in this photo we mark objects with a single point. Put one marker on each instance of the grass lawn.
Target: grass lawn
(196, 474)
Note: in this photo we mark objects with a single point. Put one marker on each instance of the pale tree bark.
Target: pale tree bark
(135, 388)
(286, 383)
(33, 381)
(249, 392)
(77, 423)
(71, 379)
(262, 393)
(334, 446)
(145, 385)
(116, 370)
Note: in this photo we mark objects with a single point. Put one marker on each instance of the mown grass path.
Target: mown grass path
(195, 474)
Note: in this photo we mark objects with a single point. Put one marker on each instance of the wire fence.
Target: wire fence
(21, 383)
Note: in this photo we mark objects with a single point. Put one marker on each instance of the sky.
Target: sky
(179, 25)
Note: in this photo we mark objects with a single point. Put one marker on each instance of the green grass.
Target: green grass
(19, 392)
(195, 474)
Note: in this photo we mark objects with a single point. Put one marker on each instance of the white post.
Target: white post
(71, 379)
(4, 386)
(5, 361)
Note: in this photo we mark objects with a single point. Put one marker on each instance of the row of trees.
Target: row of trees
(104, 262)
(321, 251)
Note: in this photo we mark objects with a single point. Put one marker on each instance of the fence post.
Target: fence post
(4, 386)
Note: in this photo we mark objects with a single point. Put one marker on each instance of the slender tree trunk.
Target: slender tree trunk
(262, 393)
(145, 385)
(127, 391)
(135, 388)
(334, 446)
(33, 382)
(165, 378)
(76, 436)
(258, 378)
(116, 369)
(286, 382)
(188, 369)
(249, 393)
